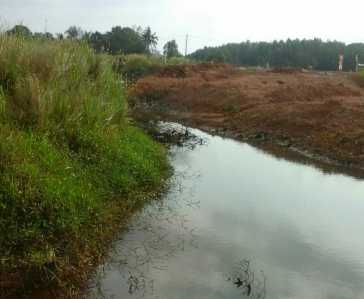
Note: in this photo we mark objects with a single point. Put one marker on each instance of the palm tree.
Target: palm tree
(150, 39)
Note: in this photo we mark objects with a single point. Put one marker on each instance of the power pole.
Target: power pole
(186, 46)
(45, 25)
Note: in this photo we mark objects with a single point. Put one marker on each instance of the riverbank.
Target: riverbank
(313, 114)
(73, 168)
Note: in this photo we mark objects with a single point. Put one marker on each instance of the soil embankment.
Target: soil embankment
(318, 114)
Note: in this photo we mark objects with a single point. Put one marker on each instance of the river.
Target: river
(237, 222)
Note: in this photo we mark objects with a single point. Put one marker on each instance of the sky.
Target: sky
(207, 22)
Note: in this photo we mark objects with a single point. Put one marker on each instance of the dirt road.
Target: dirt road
(318, 114)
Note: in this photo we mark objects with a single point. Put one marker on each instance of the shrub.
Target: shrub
(179, 60)
(134, 66)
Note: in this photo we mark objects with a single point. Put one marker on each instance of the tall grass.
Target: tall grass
(57, 84)
(67, 154)
(134, 66)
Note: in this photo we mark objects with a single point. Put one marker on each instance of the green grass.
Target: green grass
(71, 166)
(134, 66)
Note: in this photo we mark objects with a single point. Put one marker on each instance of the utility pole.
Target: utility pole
(46, 25)
(341, 62)
(186, 46)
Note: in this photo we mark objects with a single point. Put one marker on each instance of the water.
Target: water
(239, 223)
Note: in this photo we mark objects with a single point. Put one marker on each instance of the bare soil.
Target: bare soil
(318, 114)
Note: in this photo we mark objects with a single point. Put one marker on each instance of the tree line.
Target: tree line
(307, 53)
(119, 40)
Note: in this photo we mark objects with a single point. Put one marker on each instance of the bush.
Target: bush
(179, 60)
(134, 66)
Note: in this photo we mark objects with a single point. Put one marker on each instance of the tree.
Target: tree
(20, 30)
(170, 49)
(313, 53)
(41, 35)
(86, 35)
(150, 39)
(98, 42)
(125, 40)
(74, 32)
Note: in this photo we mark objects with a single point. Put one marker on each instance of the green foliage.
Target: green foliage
(134, 66)
(179, 60)
(119, 40)
(20, 30)
(66, 152)
(74, 32)
(41, 35)
(60, 84)
(50, 195)
(123, 40)
(150, 39)
(170, 49)
(314, 53)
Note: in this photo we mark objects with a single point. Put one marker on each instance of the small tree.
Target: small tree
(20, 30)
(125, 40)
(150, 39)
(74, 32)
(41, 35)
(60, 36)
(170, 49)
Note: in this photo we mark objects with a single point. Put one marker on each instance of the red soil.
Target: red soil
(322, 113)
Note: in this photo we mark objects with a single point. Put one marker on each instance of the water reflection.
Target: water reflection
(159, 233)
(245, 280)
(296, 231)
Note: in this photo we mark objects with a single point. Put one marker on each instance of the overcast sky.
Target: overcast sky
(209, 22)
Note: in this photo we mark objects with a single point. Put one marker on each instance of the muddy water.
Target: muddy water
(238, 223)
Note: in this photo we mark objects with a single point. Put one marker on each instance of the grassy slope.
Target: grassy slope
(70, 164)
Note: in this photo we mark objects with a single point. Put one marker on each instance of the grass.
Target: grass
(71, 166)
(134, 66)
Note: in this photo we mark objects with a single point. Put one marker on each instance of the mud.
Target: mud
(318, 115)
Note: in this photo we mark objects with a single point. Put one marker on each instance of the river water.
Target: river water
(240, 223)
